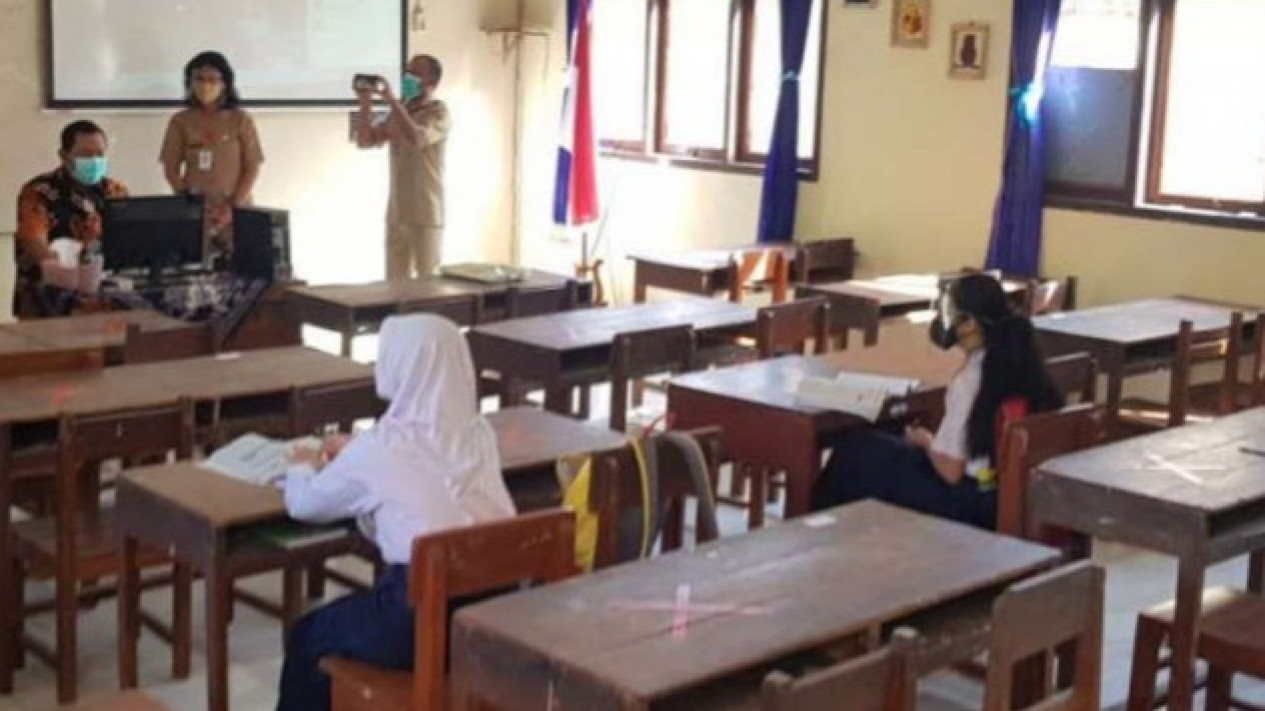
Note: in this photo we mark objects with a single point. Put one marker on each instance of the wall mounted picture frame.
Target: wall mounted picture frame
(968, 50)
(911, 23)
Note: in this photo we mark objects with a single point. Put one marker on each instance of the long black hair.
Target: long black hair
(1013, 364)
(216, 61)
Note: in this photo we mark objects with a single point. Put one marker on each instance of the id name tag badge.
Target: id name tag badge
(205, 159)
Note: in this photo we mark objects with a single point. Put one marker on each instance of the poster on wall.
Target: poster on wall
(910, 23)
(968, 50)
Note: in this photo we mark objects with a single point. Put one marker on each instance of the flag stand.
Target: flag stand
(590, 270)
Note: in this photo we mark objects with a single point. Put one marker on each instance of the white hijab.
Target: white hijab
(425, 371)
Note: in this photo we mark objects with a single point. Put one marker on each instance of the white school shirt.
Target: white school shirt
(950, 439)
(353, 484)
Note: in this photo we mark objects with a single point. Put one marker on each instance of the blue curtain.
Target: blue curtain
(781, 170)
(1015, 243)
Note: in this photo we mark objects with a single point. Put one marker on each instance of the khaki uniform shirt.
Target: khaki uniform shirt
(417, 172)
(214, 148)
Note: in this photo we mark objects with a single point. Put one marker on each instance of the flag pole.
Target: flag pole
(590, 270)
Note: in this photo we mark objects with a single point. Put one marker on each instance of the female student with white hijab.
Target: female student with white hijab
(430, 463)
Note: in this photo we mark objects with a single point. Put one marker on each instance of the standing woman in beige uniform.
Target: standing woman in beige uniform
(212, 148)
(416, 132)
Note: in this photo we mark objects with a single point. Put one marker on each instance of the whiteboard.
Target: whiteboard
(284, 52)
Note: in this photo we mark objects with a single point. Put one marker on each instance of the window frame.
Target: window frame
(1141, 194)
(734, 157)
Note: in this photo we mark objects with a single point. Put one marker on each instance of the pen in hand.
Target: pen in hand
(1252, 450)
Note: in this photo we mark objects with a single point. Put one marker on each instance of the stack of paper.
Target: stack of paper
(858, 394)
(256, 459)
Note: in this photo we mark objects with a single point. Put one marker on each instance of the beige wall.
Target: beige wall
(335, 193)
(910, 167)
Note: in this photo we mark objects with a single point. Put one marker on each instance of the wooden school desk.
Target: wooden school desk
(651, 634)
(763, 425)
(206, 519)
(1130, 337)
(39, 345)
(354, 309)
(1190, 492)
(559, 350)
(703, 272)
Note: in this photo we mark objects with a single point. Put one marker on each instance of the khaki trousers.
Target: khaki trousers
(412, 250)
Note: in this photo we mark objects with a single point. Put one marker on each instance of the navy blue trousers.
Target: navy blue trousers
(878, 465)
(374, 626)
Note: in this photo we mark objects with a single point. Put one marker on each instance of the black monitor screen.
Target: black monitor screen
(154, 233)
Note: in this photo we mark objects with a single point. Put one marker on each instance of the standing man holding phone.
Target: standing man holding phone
(416, 132)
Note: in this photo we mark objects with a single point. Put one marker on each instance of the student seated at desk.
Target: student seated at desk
(65, 202)
(430, 463)
(950, 473)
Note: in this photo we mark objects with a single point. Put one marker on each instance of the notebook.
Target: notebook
(256, 459)
(858, 394)
(484, 273)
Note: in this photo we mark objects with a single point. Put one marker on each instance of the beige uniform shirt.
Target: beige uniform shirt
(417, 172)
(215, 149)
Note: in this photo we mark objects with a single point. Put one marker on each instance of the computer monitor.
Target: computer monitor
(153, 233)
(261, 243)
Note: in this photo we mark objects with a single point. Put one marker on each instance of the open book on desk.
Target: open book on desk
(256, 459)
(858, 394)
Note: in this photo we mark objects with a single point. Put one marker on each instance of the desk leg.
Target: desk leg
(347, 338)
(10, 615)
(558, 399)
(181, 619)
(1190, 583)
(639, 285)
(801, 473)
(129, 613)
(1256, 572)
(218, 598)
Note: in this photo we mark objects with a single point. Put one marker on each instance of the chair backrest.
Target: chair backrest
(537, 547)
(1050, 295)
(1075, 376)
(1222, 344)
(465, 310)
(1030, 441)
(849, 312)
(878, 681)
(1255, 385)
(760, 268)
(825, 260)
(89, 439)
(636, 354)
(537, 301)
(1057, 609)
(787, 328)
(314, 409)
(615, 494)
(190, 341)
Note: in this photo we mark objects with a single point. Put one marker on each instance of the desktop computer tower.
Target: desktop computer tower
(261, 243)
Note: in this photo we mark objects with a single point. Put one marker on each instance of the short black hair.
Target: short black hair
(436, 67)
(218, 62)
(76, 129)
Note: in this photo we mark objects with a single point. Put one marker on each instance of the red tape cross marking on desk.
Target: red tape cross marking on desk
(61, 394)
(1156, 462)
(681, 609)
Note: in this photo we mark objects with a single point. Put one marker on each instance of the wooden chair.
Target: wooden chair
(191, 341)
(1046, 296)
(637, 354)
(1075, 376)
(220, 421)
(1224, 345)
(537, 547)
(1024, 445)
(1062, 609)
(615, 494)
(825, 261)
(878, 681)
(79, 545)
(1233, 392)
(787, 328)
(849, 312)
(758, 270)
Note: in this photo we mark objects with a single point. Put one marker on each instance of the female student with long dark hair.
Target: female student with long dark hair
(430, 463)
(949, 473)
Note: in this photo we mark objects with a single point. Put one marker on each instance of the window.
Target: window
(1146, 104)
(698, 80)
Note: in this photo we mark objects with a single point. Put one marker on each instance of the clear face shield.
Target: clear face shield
(943, 328)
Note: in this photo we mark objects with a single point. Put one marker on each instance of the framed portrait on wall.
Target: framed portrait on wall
(911, 23)
(968, 50)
